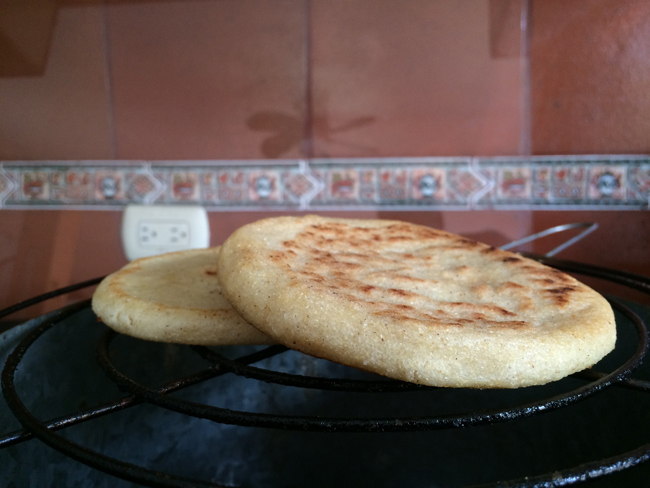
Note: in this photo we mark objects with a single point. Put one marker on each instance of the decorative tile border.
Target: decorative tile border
(558, 182)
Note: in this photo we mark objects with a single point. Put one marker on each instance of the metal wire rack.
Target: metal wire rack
(592, 382)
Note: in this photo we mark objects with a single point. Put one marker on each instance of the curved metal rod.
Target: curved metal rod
(123, 403)
(578, 474)
(302, 381)
(560, 478)
(321, 424)
(120, 469)
(588, 226)
(47, 296)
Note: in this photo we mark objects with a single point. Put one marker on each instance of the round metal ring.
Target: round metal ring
(141, 475)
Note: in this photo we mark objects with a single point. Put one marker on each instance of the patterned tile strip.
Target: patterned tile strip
(558, 182)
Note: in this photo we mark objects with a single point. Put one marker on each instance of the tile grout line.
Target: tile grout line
(308, 128)
(525, 131)
(108, 83)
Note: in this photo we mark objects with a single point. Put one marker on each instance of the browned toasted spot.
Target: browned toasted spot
(329, 227)
(543, 281)
(483, 307)
(409, 279)
(324, 259)
(367, 288)
(560, 295)
(453, 323)
(445, 247)
(481, 290)
(498, 310)
(352, 298)
(509, 286)
(400, 238)
(338, 274)
(400, 227)
(401, 293)
(563, 277)
(465, 321)
(291, 244)
(210, 272)
(401, 313)
(511, 259)
(540, 272)
(503, 311)
(312, 276)
(277, 256)
(507, 324)
(424, 233)
(469, 242)
(404, 312)
(489, 250)
(561, 291)
(526, 303)
(415, 231)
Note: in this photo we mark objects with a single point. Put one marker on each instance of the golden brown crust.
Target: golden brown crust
(413, 303)
(173, 297)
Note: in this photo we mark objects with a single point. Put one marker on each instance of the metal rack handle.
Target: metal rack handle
(588, 226)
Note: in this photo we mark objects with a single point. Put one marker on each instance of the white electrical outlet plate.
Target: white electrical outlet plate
(148, 230)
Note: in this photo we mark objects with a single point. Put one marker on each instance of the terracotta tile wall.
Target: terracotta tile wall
(218, 79)
(412, 78)
(63, 113)
(207, 80)
(590, 76)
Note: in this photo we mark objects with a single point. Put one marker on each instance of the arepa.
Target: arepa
(173, 297)
(413, 303)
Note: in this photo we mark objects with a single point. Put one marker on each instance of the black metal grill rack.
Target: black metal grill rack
(585, 386)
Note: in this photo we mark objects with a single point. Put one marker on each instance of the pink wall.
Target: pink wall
(245, 79)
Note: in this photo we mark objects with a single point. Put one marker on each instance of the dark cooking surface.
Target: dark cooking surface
(60, 374)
